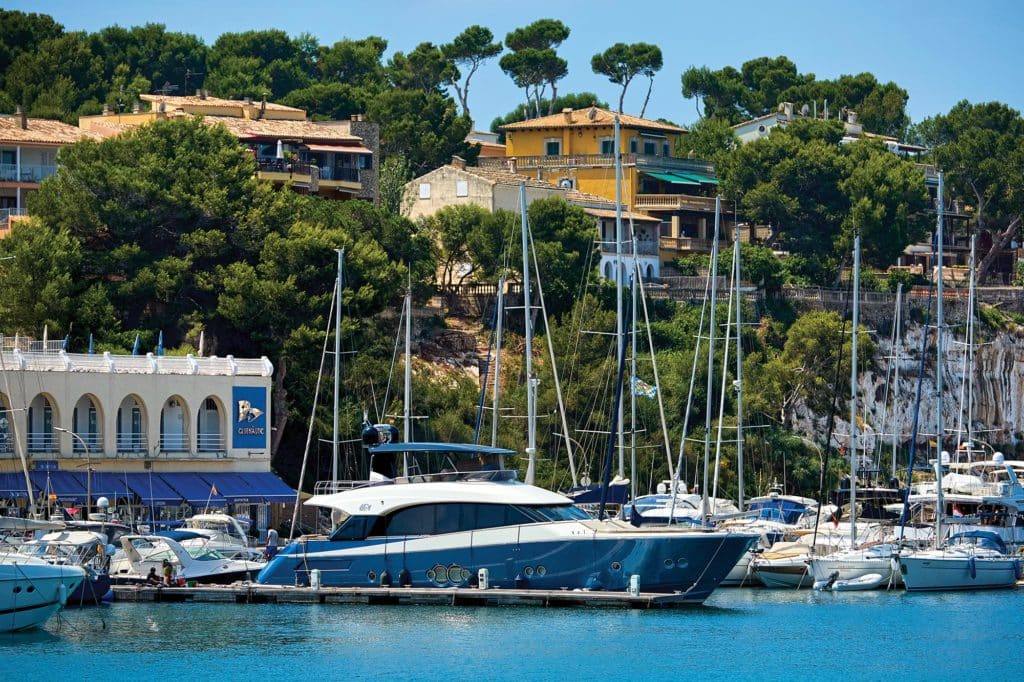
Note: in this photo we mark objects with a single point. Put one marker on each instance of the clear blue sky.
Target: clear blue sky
(941, 51)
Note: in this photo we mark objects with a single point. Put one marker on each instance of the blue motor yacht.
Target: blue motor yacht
(440, 530)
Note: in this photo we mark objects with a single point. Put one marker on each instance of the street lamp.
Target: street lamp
(88, 469)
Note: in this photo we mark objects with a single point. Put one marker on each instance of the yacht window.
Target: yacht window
(566, 512)
(453, 517)
(354, 528)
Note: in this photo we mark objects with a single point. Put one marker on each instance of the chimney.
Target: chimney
(162, 107)
(568, 115)
(199, 93)
(203, 93)
(106, 110)
(23, 118)
(787, 107)
(851, 116)
(511, 164)
(358, 118)
(248, 100)
(459, 162)
(136, 107)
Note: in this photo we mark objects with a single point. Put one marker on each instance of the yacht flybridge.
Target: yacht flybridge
(450, 528)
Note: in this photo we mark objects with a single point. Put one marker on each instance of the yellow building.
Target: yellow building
(574, 149)
(334, 159)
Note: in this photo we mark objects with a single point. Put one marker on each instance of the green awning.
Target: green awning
(697, 178)
(672, 178)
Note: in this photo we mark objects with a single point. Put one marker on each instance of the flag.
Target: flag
(213, 490)
(135, 348)
(64, 346)
(160, 343)
(956, 511)
(644, 389)
(92, 351)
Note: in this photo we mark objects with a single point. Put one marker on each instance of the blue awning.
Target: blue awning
(12, 486)
(270, 486)
(153, 491)
(193, 489)
(110, 485)
(250, 487)
(68, 486)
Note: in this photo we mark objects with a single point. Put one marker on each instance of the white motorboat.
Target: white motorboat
(975, 560)
(32, 590)
(785, 564)
(223, 533)
(86, 549)
(850, 566)
(140, 553)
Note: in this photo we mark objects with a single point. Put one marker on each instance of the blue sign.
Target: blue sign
(45, 465)
(249, 429)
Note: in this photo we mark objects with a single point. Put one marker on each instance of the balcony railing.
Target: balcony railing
(283, 166)
(10, 172)
(596, 161)
(211, 442)
(342, 174)
(6, 213)
(677, 202)
(41, 441)
(94, 441)
(132, 442)
(686, 244)
(174, 442)
(649, 248)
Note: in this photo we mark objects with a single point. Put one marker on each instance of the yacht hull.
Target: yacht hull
(30, 592)
(742, 574)
(783, 573)
(932, 573)
(551, 556)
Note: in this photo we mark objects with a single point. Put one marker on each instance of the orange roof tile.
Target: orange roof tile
(40, 131)
(301, 130)
(498, 177)
(589, 118)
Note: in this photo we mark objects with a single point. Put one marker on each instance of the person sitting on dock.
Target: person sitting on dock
(153, 578)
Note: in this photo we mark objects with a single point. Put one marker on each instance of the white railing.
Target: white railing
(41, 441)
(132, 443)
(6, 213)
(174, 442)
(211, 442)
(27, 354)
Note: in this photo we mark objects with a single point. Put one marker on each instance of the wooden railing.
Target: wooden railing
(677, 202)
(595, 161)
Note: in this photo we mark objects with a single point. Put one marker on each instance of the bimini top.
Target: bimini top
(382, 499)
(462, 448)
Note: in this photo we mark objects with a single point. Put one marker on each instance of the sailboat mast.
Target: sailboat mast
(335, 456)
(619, 332)
(939, 326)
(497, 360)
(407, 402)
(739, 365)
(531, 407)
(896, 368)
(632, 389)
(971, 302)
(713, 274)
(853, 392)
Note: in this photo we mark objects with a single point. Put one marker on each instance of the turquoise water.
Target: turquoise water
(738, 634)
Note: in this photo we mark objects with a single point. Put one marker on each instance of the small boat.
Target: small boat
(140, 553)
(86, 549)
(223, 533)
(32, 590)
(868, 581)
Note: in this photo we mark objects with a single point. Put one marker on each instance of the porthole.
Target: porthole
(430, 574)
(440, 574)
(541, 570)
(682, 562)
(669, 563)
(17, 589)
(616, 566)
(455, 574)
(30, 588)
(371, 576)
(528, 571)
(465, 575)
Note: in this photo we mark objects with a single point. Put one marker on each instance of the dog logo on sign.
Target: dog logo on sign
(248, 413)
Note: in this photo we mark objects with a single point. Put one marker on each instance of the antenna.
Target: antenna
(165, 89)
(188, 74)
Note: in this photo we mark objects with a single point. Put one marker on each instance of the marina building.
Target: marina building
(160, 437)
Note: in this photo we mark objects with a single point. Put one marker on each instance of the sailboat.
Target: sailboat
(970, 560)
(856, 568)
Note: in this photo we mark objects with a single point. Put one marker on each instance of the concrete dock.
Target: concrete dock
(250, 593)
